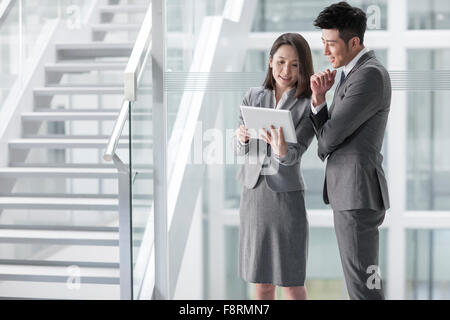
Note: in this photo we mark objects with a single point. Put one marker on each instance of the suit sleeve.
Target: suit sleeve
(241, 149)
(305, 133)
(319, 119)
(360, 103)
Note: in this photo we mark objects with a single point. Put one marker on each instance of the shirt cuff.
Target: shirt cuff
(243, 143)
(318, 108)
(280, 159)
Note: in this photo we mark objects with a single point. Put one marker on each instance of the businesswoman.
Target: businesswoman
(273, 235)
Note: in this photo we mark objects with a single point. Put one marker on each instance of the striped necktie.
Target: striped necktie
(342, 78)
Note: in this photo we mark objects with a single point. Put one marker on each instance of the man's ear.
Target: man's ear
(354, 42)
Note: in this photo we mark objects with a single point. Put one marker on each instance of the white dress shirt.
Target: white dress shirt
(346, 70)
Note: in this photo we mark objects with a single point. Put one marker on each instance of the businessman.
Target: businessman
(350, 136)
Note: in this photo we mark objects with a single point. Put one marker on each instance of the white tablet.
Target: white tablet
(256, 118)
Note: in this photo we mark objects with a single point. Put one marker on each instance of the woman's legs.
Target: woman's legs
(264, 291)
(295, 293)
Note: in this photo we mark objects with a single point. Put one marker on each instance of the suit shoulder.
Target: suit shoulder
(253, 95)
(371, 77)
(255, 91)
(375, 66)
(371, 73)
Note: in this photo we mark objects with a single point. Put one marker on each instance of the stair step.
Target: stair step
(52, 91)
(61, 165)
(75, 173)
(79, 116)
(85, 110)
(92, 45)
(63, 203)
(123, 9)
(88, 110)
(89, 50)
(60, 195)
(58, 173)
(68, 116)
(69, 136)
(106, 27)
(84, 67)
(72, 165)
(72, 143)
(60, 228)
(86, 238)
(67, 228)
(59, 263)
(17, 290)
(93, 275)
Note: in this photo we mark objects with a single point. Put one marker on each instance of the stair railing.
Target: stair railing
(132, 78)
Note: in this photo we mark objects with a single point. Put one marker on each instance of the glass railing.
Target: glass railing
(136, 170)
(141, 169)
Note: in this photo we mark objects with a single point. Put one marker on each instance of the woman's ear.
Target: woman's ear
(270, 62)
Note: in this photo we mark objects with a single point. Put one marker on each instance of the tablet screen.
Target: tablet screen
(257, 118)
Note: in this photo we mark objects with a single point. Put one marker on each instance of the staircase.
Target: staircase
(59, 236)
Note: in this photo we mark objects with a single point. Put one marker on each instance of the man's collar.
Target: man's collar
(347, 68)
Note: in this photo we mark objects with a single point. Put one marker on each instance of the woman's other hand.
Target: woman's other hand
(276, 139)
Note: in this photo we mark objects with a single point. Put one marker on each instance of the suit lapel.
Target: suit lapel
(368, 55)
(288, 104)
(290, 101)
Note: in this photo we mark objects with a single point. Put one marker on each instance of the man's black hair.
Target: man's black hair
(349, 21)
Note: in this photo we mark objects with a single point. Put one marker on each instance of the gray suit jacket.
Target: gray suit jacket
(283, 174)
(351, 135)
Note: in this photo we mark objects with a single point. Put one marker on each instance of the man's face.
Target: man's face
(335, 48)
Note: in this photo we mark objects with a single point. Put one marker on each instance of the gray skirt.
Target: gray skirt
(273, 236)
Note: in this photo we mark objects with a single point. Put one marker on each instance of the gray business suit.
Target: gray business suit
(351, 135)
(273, 233)
(282, 175)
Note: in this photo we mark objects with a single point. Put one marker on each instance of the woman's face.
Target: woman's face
(285, 67)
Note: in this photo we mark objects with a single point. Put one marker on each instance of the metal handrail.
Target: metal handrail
(132, 74)
(117, 132)
(137, 60)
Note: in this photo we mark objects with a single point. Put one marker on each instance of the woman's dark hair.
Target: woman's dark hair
(305, 70)
(349, 21)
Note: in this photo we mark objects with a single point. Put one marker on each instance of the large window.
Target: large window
(428, 134)
(284, 15)
(428, 14)
(428, 262)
